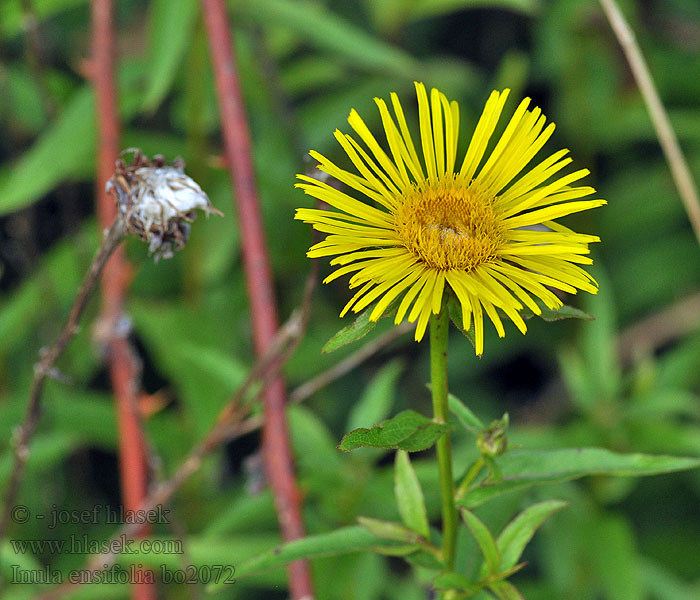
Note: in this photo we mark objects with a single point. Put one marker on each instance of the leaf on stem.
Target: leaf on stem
(390, 530)
(340, 541)
(521, 469)
(409, 431)
(464, 415)
(563, 312)
(453, 581)
(409, 495)
(515, 536)
(484, 539)
(505, 590)
(358, 329)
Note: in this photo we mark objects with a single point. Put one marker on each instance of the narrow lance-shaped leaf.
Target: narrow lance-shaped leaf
(521, 469)
(563, 312)
(327, 30)
(484, 539)
(465, 416)
(65, 149)
(409, 495)
(505, 590)
(169, 36)
(389, 530)
(376, 401)
(340, 541)
(358, 329)
(452, 581)
(516, 535)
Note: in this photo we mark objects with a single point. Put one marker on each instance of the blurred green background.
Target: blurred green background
(628, 381)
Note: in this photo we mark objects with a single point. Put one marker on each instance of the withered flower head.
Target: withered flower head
(158, 201)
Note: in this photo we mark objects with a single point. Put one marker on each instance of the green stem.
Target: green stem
(439, 326)
(471, 475)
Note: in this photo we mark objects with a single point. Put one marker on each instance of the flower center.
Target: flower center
(448, 224)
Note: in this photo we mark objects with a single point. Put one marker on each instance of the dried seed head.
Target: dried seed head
(157, 201)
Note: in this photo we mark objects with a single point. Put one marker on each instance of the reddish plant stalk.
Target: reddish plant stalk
(275, 439)
(123, 366)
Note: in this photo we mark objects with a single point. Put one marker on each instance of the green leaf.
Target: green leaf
(452, 581)
(663, 583)
(66, 149)
(195, 361)
(13, 20)
(506, 591)
(244, 512)
(328, 31)
(614, 556)
(599, 345)
(340, 541)
(516, 535)
(389, 530)
(48, 450)
(358, 329)
(464, 414)
(378, 397)
(484, 539)
(313, 443)
(409, 495)
(524, 468)
(396, 550)
(170, 34)
(454, 309)
(408, 431)
(425, 560)
(564, 312)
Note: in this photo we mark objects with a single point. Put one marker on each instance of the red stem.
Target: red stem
(275, 440)
(122, 364)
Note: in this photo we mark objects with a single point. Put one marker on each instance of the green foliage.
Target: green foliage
(604, 413)
(341, 541)
(409, 431)
(525, 468)
(358, 329)
(409, 495)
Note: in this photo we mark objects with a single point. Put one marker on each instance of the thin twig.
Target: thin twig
(231, 423)
(275, 440)
(659, 117)
(45, 366)
(313, 385)
(124, 365)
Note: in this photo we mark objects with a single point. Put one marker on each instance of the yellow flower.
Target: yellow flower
(416, 226)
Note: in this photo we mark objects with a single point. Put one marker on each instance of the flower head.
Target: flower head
(484, 228)
(158, 202)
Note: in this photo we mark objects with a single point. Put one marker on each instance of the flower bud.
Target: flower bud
(492, 441)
